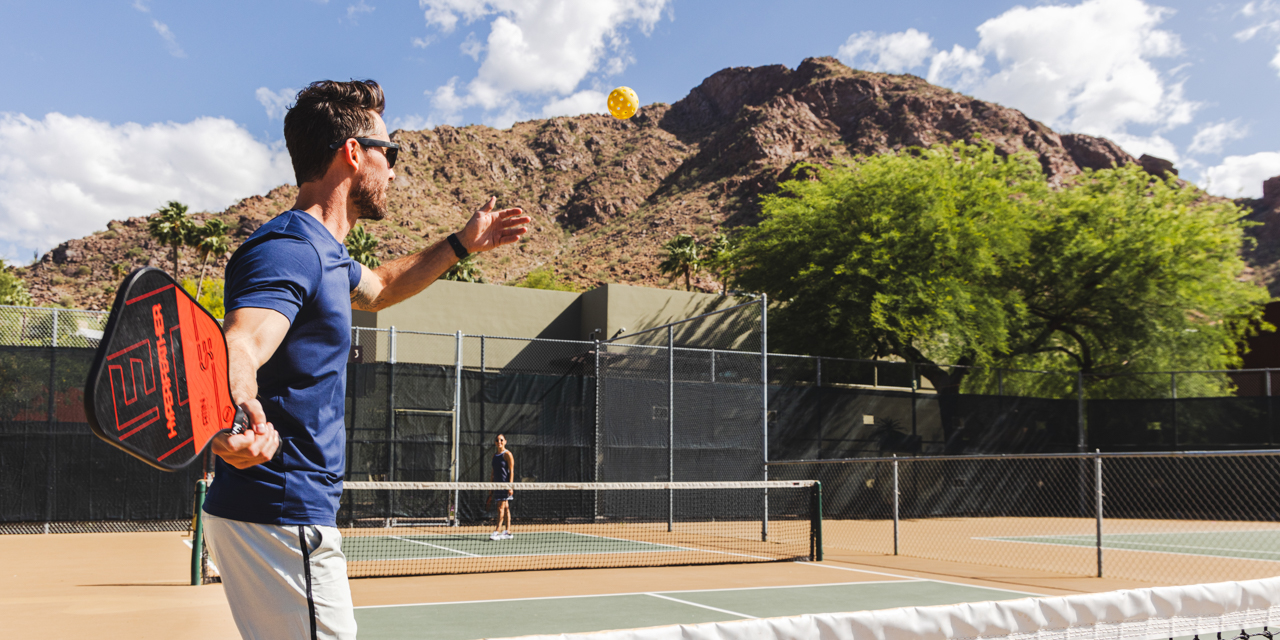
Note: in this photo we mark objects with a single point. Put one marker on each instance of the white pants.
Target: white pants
(274, 593)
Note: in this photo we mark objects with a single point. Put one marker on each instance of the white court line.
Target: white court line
(694, 604)
(428, 544)
(1049, 541)
(917, 579)
(631, 593)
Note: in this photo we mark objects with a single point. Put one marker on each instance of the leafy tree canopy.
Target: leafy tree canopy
(13, 291)
(361, 245)
(172, 227)
(957, 254)
(545, 278)
(465, 270)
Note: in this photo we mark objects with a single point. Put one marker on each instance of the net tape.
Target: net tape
(1206, 610)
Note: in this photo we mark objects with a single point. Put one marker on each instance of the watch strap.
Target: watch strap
(458, 249)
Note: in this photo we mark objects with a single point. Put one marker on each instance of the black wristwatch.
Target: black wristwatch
(458, 249)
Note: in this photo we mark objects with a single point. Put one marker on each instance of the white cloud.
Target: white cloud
(64, 176)
(1084, 68)
(472, 47)
(579, 103)
(412, 122)
(892, 53)
(171, 41)
(959, 67)
(1242, 176)
(275, 102)
(543, 49)
(357, 9)
(1210, 139)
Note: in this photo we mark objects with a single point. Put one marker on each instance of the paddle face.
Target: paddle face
(158, 386)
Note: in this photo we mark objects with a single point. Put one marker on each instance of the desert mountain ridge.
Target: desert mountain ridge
(605, 194)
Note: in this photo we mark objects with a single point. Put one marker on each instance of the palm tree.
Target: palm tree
(715, 256)
(212, 242)
(172, 227)
(360, 244)
(682, 257)
(466, 270)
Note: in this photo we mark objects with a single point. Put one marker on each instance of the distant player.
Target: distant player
(504, 470)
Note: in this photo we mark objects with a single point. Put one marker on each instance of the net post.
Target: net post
(671, 426)
(764, 409)
(815, 551)
(1097, 481)
(895, 504)
(197, 537)
(457, 426)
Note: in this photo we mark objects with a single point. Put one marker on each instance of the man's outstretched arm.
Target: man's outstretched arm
(253, 335)
(405, 277)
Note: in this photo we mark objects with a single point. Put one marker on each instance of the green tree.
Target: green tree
(956, 254)
(361, 245)
(13, 291)
(545, 278)
(171, 226)
(683, 257)
(212, 241)
(466, 270)
(211, 298)
(715, 256)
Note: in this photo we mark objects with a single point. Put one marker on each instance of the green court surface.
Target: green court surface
(478, 545)
(506, 618)
(1247, 545)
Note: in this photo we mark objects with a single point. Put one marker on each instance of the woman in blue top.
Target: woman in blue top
(504, 470)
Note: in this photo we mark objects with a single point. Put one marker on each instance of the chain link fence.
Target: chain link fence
(1168, 518)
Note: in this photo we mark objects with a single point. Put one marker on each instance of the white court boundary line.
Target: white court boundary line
(633, 593)
(436, 546)
(695, 604)
(918, 579)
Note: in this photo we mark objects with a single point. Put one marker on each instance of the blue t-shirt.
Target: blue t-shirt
(293, 265)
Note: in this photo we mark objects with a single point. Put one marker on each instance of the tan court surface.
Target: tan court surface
(134, 585)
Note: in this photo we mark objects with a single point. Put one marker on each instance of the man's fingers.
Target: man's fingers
(488, 206)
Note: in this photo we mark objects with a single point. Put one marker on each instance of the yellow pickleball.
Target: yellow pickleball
(623, 103)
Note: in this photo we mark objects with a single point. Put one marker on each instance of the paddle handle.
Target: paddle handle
(241, 422)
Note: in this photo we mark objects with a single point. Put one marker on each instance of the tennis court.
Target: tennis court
(576, 614)
(1245, 545)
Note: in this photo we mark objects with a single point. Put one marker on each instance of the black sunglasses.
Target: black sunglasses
(392, 148)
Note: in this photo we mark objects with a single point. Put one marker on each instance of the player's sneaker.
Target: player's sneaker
(495, 536)
(506, 535)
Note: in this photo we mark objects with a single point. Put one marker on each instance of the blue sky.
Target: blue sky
(112, 108)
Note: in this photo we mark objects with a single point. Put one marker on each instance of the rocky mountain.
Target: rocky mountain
(605, 195)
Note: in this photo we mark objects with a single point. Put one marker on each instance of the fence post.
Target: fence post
(671, 426)
(391, 412)
(51, 476)
(914, 384)
(457, 427)
(1081, 442)
(896, 493)
(1097, 481)
(764, 408)
(595, 464)
(1173, 412)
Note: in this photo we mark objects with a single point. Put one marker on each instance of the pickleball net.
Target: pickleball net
(1249, 609)
(425, 528)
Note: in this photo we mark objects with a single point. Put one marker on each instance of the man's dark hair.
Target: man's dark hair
(326, 112)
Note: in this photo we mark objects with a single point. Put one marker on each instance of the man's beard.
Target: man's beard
(370, 198)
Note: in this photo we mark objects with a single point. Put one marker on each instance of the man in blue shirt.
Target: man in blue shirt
(289, 293)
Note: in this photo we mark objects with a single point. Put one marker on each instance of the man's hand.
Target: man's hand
(488, 229)
(254, 446)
